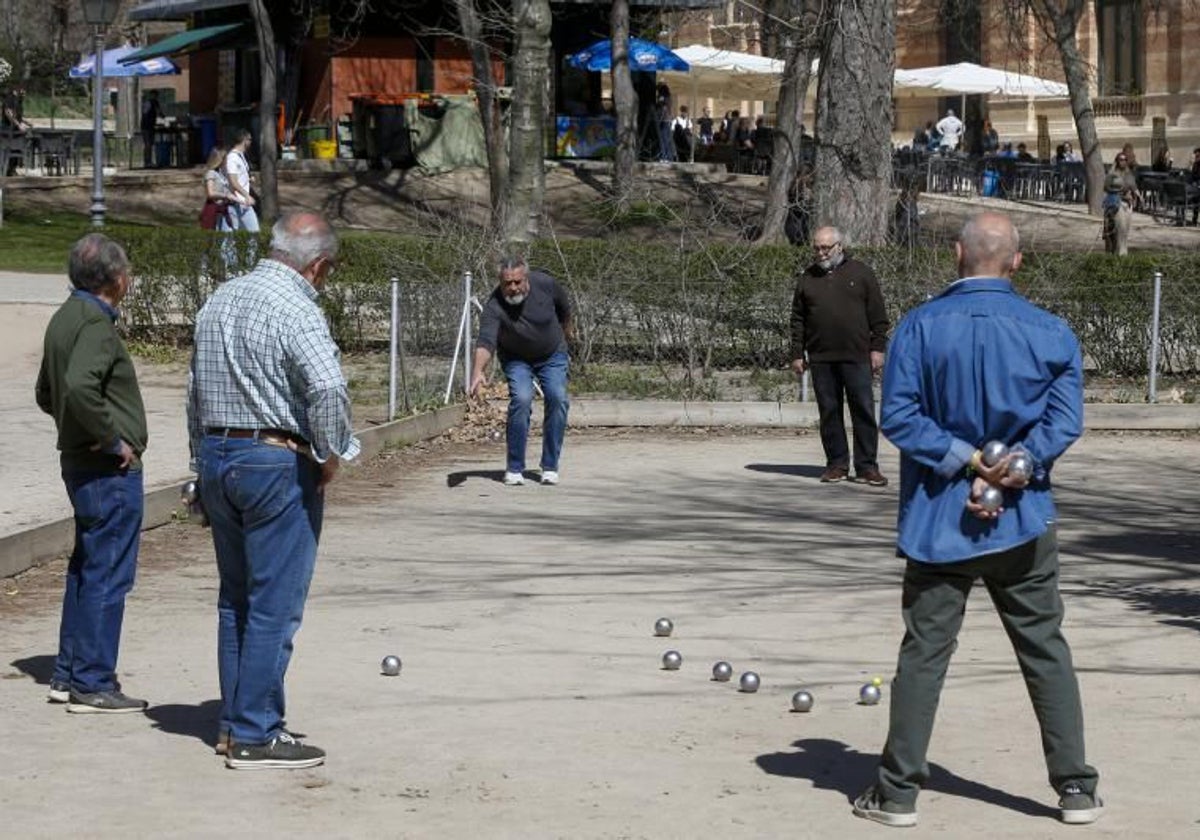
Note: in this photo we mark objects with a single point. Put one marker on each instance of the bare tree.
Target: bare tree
(527, 136)
(853, 168)
(624, 104)
(794, 26)
(1059, 19)
(472, 24)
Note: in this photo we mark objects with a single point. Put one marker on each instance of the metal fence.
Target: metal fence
(700, 323)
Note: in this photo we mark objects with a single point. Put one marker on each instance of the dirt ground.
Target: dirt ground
(715, 205)
(532, 703)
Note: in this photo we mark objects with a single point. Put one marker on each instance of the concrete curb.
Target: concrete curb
(23, 549)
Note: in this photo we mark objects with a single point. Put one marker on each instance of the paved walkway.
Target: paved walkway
(31, 492)
(531, 702)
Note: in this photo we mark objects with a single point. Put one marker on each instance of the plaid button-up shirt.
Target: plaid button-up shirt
(264, 359)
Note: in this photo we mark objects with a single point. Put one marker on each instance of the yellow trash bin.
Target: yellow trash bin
(323, 149)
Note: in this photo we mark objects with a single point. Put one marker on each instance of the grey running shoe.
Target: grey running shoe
(59, 692)
(1078, 807)
(104, 703)
(871, 805)
(283, 752)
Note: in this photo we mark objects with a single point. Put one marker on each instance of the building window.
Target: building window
(1121, 53)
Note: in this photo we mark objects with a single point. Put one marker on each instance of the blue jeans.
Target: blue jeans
(551, 374)
(265, 512)
(108, 525)
(243, 217)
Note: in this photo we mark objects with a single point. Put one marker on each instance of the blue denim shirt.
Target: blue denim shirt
(976, 363)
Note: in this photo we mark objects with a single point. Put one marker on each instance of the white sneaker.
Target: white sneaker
(513, 479)
(549, 477)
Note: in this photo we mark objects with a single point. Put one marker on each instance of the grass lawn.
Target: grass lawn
(39, 241)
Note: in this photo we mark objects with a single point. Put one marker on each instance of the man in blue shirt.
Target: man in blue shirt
(975, 364)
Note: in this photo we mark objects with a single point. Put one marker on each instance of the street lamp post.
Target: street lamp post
(99, 14)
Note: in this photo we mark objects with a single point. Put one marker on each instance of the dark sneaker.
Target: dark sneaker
(59, 692)
(282, 752)
(833, 474)
(1078, 807)
(104, 703)
(871, 805)
(873, 477)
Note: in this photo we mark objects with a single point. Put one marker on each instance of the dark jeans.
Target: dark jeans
(1023, 585)
(148, 149)
(108, 525)
(551, 375)
(266, 515)
(838, 383)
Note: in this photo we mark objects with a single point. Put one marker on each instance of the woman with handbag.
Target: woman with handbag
(217, 194)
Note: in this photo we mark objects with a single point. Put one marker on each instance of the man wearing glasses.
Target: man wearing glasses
(839, 332)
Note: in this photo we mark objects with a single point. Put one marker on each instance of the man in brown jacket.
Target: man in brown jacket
(839, 332)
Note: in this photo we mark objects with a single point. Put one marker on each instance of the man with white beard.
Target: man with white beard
(839, 332)
(526, 323)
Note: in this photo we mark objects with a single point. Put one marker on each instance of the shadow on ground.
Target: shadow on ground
(39, 668)
(197, 721)
(833, 765)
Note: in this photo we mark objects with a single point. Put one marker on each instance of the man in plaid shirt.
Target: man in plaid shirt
(269, 423)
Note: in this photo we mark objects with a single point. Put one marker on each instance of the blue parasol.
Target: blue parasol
(113, 66)
(644, 56)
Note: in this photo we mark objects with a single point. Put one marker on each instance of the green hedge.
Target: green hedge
(688, 311)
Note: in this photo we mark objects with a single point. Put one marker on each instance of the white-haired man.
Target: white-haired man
(269, 423)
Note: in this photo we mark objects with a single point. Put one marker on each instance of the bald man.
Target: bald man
(975, 364)
(268, 422)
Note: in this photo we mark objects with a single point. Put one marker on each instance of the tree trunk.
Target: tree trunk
(527, 136)
(1061, 22)
(489, 107)
(625, 106)
(785, 154)
(267, 145)
(853, 171)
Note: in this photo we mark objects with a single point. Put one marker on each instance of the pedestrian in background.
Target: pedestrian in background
(268, 426)
(526, 322)
(980, 363)
(88, 384)
(839, 332)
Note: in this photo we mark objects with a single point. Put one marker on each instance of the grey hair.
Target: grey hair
(838, 236)
(95, 262)
(988, 241)
(510, 262)
(300, 238)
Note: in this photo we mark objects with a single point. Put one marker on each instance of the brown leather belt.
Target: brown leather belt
(275, 437)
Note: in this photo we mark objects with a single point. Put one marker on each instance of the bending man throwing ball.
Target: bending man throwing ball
(976, 364)
(525, 322)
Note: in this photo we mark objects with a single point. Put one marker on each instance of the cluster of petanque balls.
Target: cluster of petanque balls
(749, 681)
(1020, 466)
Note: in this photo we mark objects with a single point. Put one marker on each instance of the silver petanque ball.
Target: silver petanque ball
(722, 671)
(869, 694)
(672, 660)
(495, 434)
(992, 498)
(993, 451)
(663, 627)
(1021, 466)
(802, 701)
(390, 666)
(749, 682)
(189, 494)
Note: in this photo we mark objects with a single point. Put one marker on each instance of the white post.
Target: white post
(395, 340)
(468, 281)
(1153, 395)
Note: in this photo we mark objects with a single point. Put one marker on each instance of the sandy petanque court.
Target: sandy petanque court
(532, 702)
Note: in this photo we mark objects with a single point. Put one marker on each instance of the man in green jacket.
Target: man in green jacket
(87, 383)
